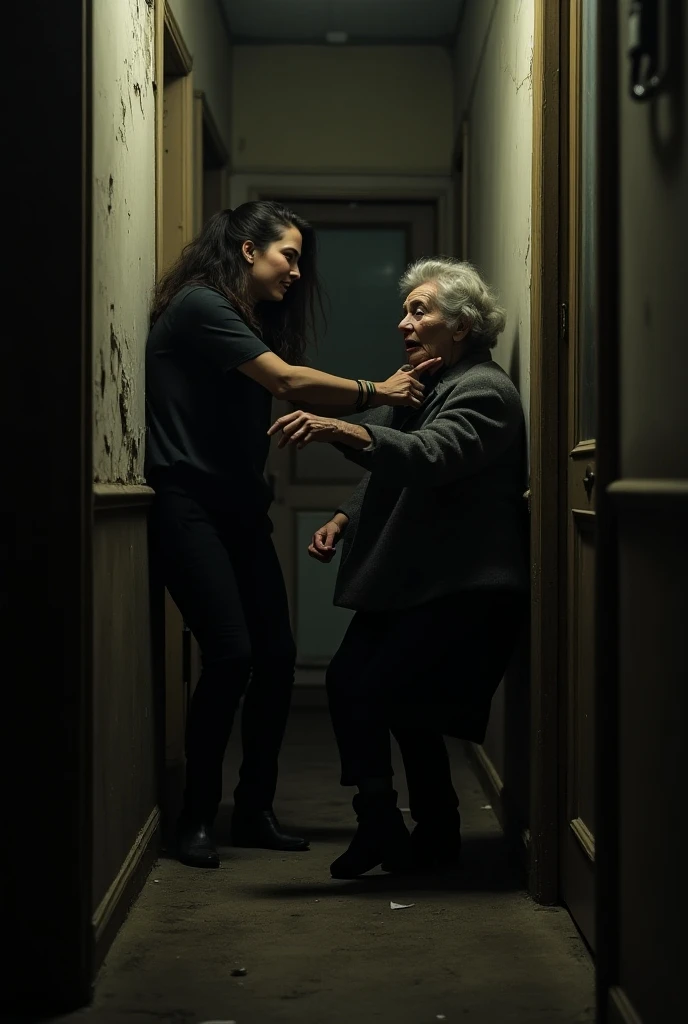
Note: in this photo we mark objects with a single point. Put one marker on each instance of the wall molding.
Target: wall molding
(619, 1009)
(112, 909)
(583, 450)
(646, 494)
(445, 41)
(180, 60)
(489, 776)
(371, 186)
(584, 837)
(117, 497)
(332, 174)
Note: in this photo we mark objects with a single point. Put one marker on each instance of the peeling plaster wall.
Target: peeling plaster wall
(205, 34)
(123, 231)
(493, 69)
(493, 90)
(351, 110)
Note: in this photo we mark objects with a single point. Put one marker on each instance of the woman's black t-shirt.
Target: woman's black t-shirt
(205, 420)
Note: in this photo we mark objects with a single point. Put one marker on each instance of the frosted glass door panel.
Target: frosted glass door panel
(360, 268)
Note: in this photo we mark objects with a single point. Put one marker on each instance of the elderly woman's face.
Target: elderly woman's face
(426, 335)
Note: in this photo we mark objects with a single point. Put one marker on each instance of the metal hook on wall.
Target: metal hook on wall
(646, 81)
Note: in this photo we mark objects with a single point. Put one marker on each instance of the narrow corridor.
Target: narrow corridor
(546, 143)
(472, 947)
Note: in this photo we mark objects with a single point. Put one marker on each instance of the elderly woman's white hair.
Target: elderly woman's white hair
(463, 298)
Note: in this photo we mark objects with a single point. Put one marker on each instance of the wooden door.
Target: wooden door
(643, 512)
(578, 327)
(364, 247)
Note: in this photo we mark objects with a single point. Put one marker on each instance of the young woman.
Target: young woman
(229, 327)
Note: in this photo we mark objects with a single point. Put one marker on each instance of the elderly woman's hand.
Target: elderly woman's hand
(301, 428)
(322, 545)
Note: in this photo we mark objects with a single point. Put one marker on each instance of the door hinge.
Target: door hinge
(564, 322)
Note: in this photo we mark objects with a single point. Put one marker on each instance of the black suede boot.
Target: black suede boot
(381, 835)
(261, 830)
(435, 846)
(195, 848)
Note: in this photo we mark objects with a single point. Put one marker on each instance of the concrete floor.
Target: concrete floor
(473, 948)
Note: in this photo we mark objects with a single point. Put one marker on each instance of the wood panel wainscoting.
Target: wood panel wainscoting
(126, 709)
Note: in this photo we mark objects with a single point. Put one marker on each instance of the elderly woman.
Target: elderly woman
(433, 562)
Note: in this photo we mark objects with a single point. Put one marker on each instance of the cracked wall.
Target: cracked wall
(123, 232)
(493, 75)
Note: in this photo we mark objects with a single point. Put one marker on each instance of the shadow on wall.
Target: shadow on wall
(513, 717)
(516, 777)
(515, 361)
(516, 795)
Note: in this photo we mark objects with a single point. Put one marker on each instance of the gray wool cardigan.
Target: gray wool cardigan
(440, 509)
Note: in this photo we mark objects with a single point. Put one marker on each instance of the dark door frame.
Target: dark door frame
(606, 583)
(49, 376)
(545, 454)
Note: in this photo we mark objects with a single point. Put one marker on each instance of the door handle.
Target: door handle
(646, 81)
(589, 480)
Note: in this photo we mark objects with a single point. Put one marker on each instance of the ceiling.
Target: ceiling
(367, 21)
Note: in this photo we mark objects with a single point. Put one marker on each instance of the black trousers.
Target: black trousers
(418, 674)
(227, 583)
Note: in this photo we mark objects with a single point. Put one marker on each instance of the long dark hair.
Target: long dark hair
(214, 259)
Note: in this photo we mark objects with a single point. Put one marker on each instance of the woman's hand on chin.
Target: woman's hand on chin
(403, 387)
(301, 428)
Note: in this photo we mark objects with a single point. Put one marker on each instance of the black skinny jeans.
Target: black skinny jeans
(417, 674)
(227, 583)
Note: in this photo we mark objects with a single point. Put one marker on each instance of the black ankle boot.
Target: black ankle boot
(381, 835)
(261, 830)
(195, 848)
(435, 846)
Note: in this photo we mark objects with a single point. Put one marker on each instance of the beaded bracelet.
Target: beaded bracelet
(365, 394)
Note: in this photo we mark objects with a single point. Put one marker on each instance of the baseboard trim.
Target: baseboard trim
(649, 495)
(114, 906)
(493, 786)
(620, 1009)
(489, 777)
(119, 497)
